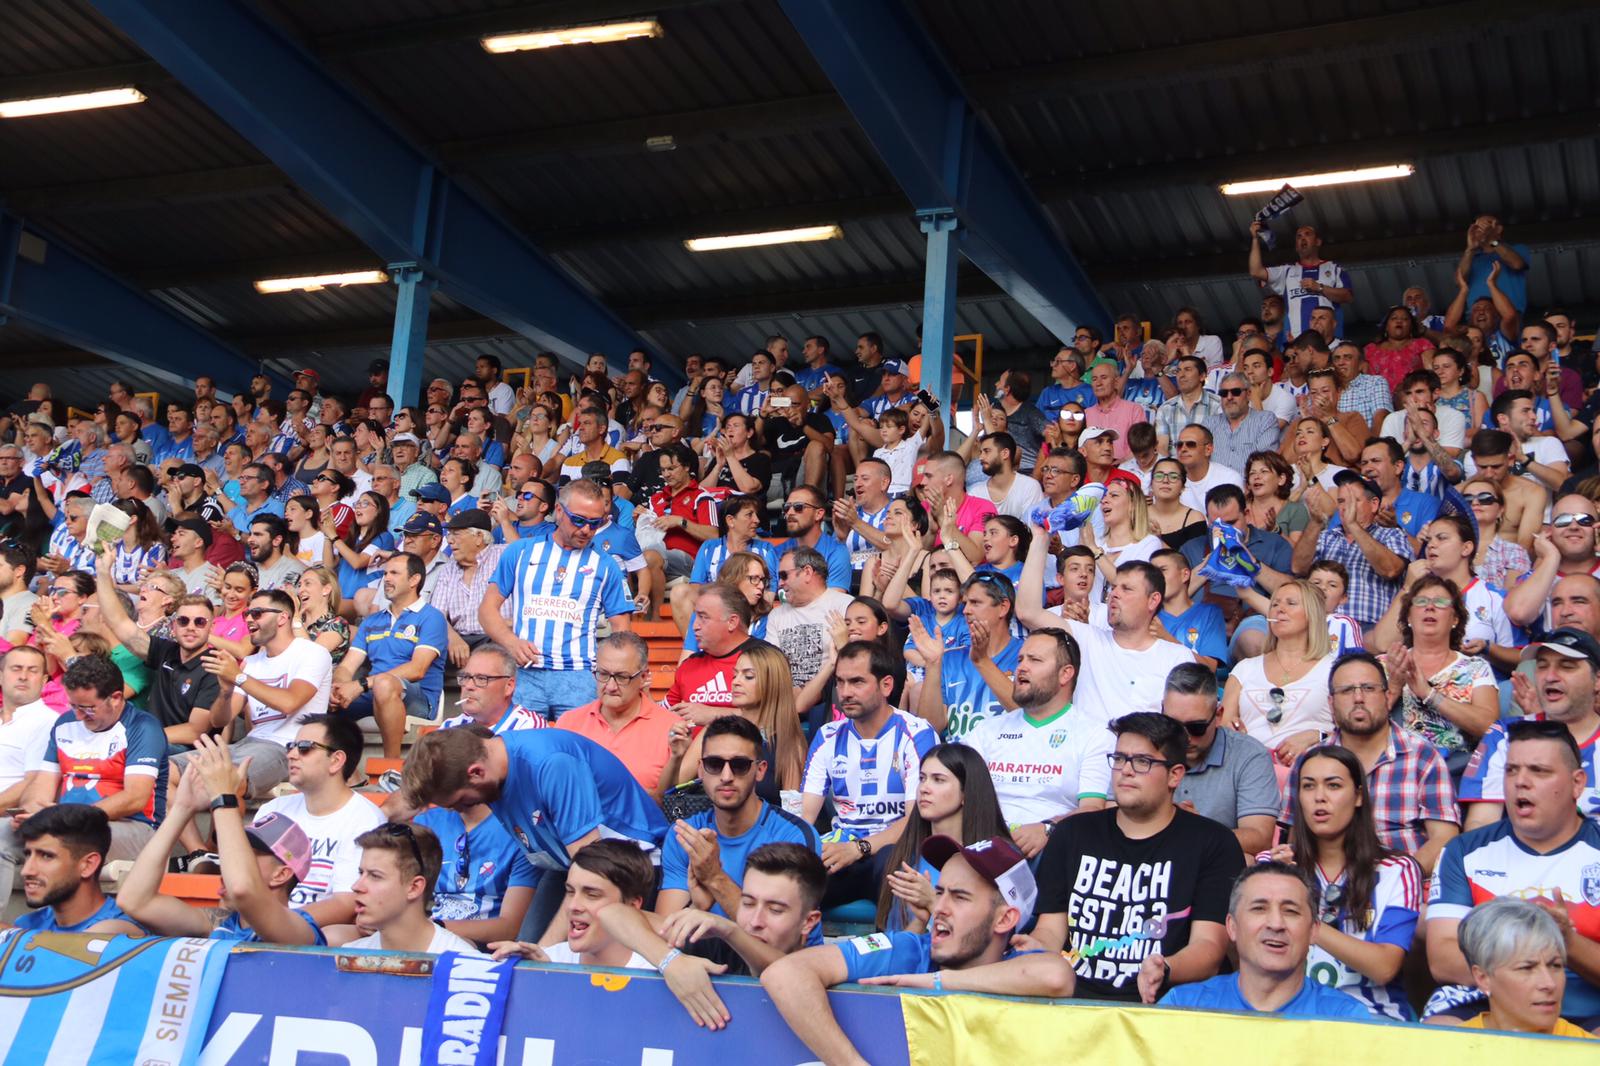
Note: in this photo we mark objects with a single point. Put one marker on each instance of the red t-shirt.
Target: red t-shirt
(704, 678)
(224, 549)
(693, 504)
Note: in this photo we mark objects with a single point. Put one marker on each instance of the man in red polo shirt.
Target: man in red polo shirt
(685, 513)
(703, 687)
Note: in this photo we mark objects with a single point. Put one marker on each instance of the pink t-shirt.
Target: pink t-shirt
(232, 627)
(969, 516)
(1119, 416)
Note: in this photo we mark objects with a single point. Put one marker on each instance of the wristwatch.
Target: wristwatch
(226, 801)
(865, 846)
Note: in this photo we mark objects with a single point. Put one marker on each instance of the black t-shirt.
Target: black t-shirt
(177, 687)
(646, 479)
(786, 442)
(757, 465)
(1128, 899)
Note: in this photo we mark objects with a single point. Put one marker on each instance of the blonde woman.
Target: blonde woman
(1128, 537)
(762, 690)
(318, 617)
(1281, 696)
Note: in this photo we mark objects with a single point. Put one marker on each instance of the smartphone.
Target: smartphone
(12, 812)
(782, 401)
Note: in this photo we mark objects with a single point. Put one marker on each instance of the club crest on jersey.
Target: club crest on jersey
(522, 838)
(1058, 738)
(840, 766)
(183, 689)
(561, 574)
(1589, 884)
(409, 632)
(535, 816)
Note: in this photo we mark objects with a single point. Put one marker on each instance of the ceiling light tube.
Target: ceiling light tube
(602, 33)
(1312, 181)
(313, 282)
(756, 240)
(55, 105)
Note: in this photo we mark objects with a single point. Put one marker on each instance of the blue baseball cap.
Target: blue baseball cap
(433, 492)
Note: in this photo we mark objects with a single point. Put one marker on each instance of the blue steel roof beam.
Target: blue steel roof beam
(55, 291)
(912, 107)
(379, 185)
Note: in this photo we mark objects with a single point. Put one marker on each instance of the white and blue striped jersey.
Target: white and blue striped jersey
(712, 554)
(876, 405)
(872, 782)
(558, 597)
(861, 549)
(1300, 301)
(750, 401)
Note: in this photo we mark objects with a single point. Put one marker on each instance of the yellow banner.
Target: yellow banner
(977, 1031)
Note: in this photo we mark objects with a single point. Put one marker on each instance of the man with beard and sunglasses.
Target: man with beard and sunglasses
(1568, 547)
(1229, 776)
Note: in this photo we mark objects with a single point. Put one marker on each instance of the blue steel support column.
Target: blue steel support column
(415, 291)
(939, 307)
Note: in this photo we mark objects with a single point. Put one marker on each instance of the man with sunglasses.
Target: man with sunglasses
(1239, 430)
(559, 587)
(804, 513)
(703, 857)
(624, 719)
(1567, 548)
(1564, 688)
(1228, 775)
(1544, 850)
(526, 514)
(661, 433)
(1146, 883)
(181, 690)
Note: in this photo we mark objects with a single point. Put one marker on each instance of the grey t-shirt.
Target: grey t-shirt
(284, 573)
(1235, 781)
(14, 612)
(197, 582)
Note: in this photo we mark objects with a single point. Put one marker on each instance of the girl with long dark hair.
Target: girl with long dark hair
(955, 798)
(1368, 898)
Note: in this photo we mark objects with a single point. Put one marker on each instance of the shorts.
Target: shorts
(417, 705)
(552, 692)
(679, 563)
(269, 763)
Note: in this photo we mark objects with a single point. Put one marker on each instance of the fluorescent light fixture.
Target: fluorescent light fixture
(602, 33)
(314, 282)
(55, 105)
(756, 240)
(1311, 181)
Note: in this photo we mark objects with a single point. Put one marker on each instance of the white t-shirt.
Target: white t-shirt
(1131, 465)
(502, 398)
(1209, 348)
(1019, 503)
(1545, 450)
(1114, 680)
(1139, 551)
(563, 953)
(1486, 614)
(334, 855)
(1194, 492)
(23, 740)
(1304, 702)
(1452, 427)
(1281, 401)
(1042, 769)
(310, 550)
(302, 660)
(443, 940)
(902, 460)
(802, 633)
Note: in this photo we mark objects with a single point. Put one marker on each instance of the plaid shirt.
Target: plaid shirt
(1366, 395)
(292, 487)
(458, 599)
(1370, 595)
(1172, 416)
(1410, 786)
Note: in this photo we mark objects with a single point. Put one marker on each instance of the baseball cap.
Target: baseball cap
(193, 525)
(1095, 431)
(405, 438)
(189, 470)
(308, 373)
(278, 835)
(894, 366)
(997, 861)
(378, 366)
(471, 518)
(433, 492)
(211, 510)
(421, 522)
(1569, 642)
(1350, 477)
(1119, 474)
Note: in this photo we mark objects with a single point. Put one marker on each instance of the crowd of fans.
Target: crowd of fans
(1253, 672)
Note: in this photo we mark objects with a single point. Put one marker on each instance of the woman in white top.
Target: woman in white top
(1310, 444)
(1449, 544)
(1281, 697)
(1128, 538)
(537, 437)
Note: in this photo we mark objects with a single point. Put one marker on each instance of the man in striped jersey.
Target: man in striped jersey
(560, 588)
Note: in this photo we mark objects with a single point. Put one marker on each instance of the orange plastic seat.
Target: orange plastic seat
(197, 890)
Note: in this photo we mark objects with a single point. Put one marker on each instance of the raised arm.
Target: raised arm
(117, 620)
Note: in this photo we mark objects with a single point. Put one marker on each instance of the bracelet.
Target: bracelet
(666, 960)
(938, 980)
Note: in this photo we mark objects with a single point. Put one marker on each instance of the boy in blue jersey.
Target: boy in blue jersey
(985, 893)
(869, 762)
(261, 863)
(703, 858)
(63, 849)
(553, 790)
(1272, 916)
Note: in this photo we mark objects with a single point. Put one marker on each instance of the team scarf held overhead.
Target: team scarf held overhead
(92, 1000)
(466, 1011)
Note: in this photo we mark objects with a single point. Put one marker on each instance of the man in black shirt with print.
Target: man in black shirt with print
(1139, 894)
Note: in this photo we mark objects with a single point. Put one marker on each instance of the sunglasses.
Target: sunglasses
(585, 523)
(791, 507)
(1275, 712)
(255, 613)
(401, 829)
(184, 621)
(1182, 444)
(1072, 416)
(1196, 729)
(306, 747)
(1482, 499)
(1231, 392)
(1562, 521)
(715, 764)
